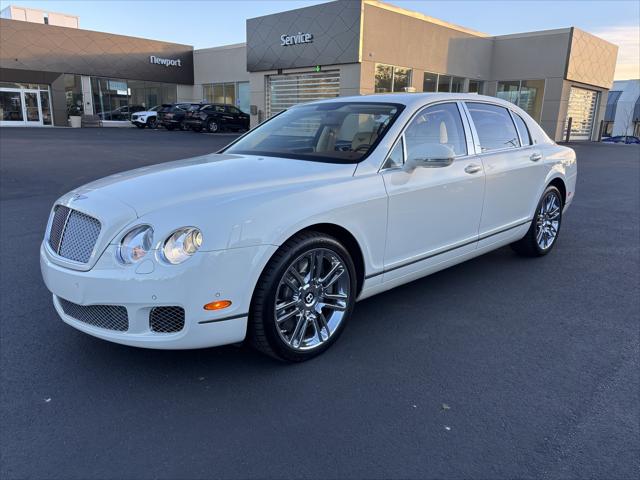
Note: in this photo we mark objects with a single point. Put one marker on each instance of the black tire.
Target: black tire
(212, 126)
(184, 127)
(262, 330)
(140, 125)
(152, 123)
(528, 246)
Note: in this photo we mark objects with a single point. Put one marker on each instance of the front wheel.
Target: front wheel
(545, 227)
(303, 299)
(152, 123)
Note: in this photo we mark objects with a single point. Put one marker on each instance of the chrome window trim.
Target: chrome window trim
(406, 125)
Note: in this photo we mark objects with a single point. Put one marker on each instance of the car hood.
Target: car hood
(145, 112)
(220, 176)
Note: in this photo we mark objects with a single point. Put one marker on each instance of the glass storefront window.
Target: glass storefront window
(384, 78)
(475, 86)
(392, 79)
(73, 94)
(527, 94)
(401, 79)
(45, 105)
(457, 84)
(11, 107)
(28, 86)
(229, 93)
(530, 99)
(243, 96)
(430, 82)
(444, 83)
(508, 91)
(110, 98)
(116, 99)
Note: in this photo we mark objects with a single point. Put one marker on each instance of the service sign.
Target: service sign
(296, 39)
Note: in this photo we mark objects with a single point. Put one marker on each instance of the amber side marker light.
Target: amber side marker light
(218, 305)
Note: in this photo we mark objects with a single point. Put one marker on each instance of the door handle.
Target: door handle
(535, 157)
(472, 168)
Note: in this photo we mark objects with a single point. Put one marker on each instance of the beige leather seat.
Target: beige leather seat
(363, 139)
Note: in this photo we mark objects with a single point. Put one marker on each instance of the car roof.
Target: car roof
(419, 99)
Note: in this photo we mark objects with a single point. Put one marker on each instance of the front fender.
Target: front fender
(270, 217)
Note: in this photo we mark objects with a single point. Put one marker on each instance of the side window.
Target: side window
(437, 124)
(233, 110)
(396, 157)
(219, 109)
(522, 130)
(494, 126)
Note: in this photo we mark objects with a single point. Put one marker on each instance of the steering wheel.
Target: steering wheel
(362, 147)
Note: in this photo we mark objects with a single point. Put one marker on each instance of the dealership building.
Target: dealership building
(51, 69)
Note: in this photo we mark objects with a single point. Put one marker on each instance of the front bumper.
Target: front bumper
(139, 121)
(206, 277)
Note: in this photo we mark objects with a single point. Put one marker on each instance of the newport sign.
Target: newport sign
(286, 40)
(167, 62)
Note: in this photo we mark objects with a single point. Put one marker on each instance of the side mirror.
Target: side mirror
(430, 155)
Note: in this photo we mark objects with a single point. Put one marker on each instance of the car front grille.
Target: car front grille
(73, 234)
(109, 317)
(166, 319)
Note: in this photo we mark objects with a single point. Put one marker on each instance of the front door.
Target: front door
(32, 108)
(432, 210)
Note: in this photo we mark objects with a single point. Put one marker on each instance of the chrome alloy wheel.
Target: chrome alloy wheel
(311, 299)
(548, 220)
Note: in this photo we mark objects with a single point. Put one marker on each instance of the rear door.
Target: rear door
(514, 168)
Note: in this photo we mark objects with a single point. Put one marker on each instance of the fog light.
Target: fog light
(218, 305)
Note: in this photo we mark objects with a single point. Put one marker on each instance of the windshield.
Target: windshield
(338, 132)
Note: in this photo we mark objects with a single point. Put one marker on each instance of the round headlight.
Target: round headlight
(135, 244)
(181, 244)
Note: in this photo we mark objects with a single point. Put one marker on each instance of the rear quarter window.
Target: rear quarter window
(523, 130)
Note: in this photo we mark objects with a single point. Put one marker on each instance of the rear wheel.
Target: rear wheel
(152, 123)
(303, 299)
(545, 227)
(212, 126)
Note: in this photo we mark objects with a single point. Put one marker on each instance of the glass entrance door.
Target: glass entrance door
(11, 112)
(25, 106)
(32, 110)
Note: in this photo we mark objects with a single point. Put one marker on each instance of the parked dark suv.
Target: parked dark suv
(216, 117)
(172, 115)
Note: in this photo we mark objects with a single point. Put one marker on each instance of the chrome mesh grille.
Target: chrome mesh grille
(73, 234)
(166, 319)
(60, 215)
(110, 317)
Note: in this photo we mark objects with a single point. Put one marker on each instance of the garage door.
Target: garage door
(284, 91)
(582, 109)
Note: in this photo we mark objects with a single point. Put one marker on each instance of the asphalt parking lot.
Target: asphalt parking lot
(501, 367)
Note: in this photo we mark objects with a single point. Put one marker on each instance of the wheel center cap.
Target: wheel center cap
(309, 298)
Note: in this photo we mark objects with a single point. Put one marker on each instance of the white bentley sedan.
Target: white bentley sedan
(275, 237)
